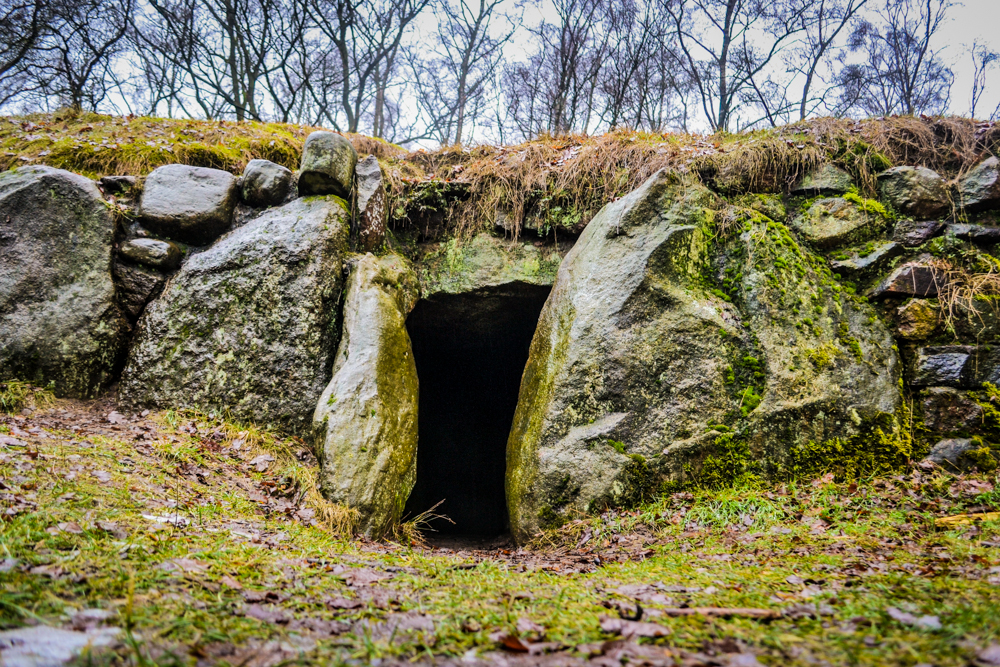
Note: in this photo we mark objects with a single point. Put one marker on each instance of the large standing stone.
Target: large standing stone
(833, 222)
(248, 326)
(636, 360)
(327, 168)
(59, 321)
(366, 419)
(189, 204)
(916, 191)
(265, 183)
(373, 206)
(980, 188)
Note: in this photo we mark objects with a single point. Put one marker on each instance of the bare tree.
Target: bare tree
(824, 22)
(984, 59)
(76, 54)
(901, 72)
(719, 41)
(22, 25)
(453, 85)
(366, 35)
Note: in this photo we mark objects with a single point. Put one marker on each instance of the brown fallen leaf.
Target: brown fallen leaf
(343, 603)
(513, 643)
(71, 527)
(230, 582)
(628, 629)
(266, 614)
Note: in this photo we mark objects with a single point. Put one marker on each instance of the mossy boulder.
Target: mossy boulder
(59, 318)
(249, 326)
(328, 161)
(980, 188)
(915, 191)
(366, 419)
(265, 183)
(827, 179)
(152, 252)
(458, 266)
(678, 332)
(833, 222)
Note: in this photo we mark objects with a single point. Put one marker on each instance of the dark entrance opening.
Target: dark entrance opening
(470, 350)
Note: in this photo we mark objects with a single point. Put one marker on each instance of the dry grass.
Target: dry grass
(566, 180)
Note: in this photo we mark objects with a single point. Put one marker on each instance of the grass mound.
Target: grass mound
(98, 145)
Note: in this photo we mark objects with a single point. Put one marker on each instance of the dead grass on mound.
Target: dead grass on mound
(564, 181)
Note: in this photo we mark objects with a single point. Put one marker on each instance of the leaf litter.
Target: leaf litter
(207, 550)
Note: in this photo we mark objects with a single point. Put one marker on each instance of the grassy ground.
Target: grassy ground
(205, 544)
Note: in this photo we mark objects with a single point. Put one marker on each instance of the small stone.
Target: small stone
(975, 233)
(372, 205)
(912, 234)
(117, 184)
(834, 222)
(137, 286)
(912, 279)
(152, 252)
(980, 188)
(951, 454)
(947, 410)
(189, 204)
(872, 263)
(265, 183)
(917, 319)
(941, 365)
(827, 180)
(916, 191)
(328, 162)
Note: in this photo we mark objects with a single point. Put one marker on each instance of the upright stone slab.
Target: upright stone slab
(59, 321)
(643, 367)
(980, 188)
(373, 206)
(249, 325)
(366, 419)
(189, 204)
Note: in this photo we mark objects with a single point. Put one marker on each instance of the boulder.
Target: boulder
(833, 222)
(962, 455)
(643, 367)
(980, 188)
(982, 234)
(917, 319)
(248, 326)
(826, 180)
(874, 262)
(158, 254)
(366, 419)
(485, 261)
(911, 233)
(188, 204)
(941, 365)
(327, 168)
(915, 191)
(265, 183)
(963, 366)
(948, 410)
(137, 286)
(59, 319)
(373, 206)
(913, 279)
